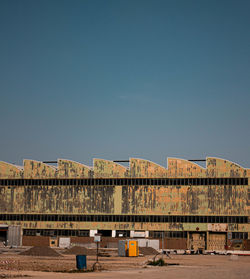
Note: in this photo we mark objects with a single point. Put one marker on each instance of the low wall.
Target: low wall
(35, 240)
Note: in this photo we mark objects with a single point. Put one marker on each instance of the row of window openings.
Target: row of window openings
(86, 233)
(33, 232)
(124, 181)
(125, 218)
(160, 234)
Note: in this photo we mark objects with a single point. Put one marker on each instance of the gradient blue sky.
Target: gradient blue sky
(119, 79)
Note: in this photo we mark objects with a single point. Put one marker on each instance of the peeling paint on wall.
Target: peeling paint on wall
(145, 200)
(144, 168)
(184, 168)
(108, 169)
(132, 199)
(10, 171)
(197, 227)
(71, 169)
(139, 168)
(36, 169)
(217, 167)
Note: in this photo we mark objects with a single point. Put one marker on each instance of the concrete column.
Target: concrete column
(207, 240)
(188, 238)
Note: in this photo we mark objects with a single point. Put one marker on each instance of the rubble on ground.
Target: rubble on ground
(41, 252)
(148, 251)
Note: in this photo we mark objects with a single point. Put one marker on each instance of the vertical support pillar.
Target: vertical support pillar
(207, 240)
(118, 200)
(188, 240)
(162, 241)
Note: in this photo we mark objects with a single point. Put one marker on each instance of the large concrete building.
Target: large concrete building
(189, 206)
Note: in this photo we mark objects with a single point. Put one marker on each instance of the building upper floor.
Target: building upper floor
(138, 168)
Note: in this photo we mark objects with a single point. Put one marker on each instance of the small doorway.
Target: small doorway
(3, 236)
(53, 241)
(197, 241)
(217, 241)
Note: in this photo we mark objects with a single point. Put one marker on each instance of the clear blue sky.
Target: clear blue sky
(119, 79)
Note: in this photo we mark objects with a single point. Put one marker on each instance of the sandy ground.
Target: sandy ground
(190, 266)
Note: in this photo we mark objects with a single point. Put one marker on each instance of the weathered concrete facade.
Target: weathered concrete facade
(138, 168)
(39, 196)
(140, 200)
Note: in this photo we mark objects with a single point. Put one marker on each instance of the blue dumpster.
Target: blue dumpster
(81, 261)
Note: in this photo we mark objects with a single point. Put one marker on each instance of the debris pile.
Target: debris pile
(159, 262)
(40, 252)
(147, 251)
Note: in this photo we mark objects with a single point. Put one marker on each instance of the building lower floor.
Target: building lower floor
(217, 238)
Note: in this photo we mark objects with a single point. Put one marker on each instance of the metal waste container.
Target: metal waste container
(122, 248)
(81, 261)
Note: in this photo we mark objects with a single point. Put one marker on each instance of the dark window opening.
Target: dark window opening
(105, 232)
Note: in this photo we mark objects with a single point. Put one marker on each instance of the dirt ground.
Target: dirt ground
(189, 266)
